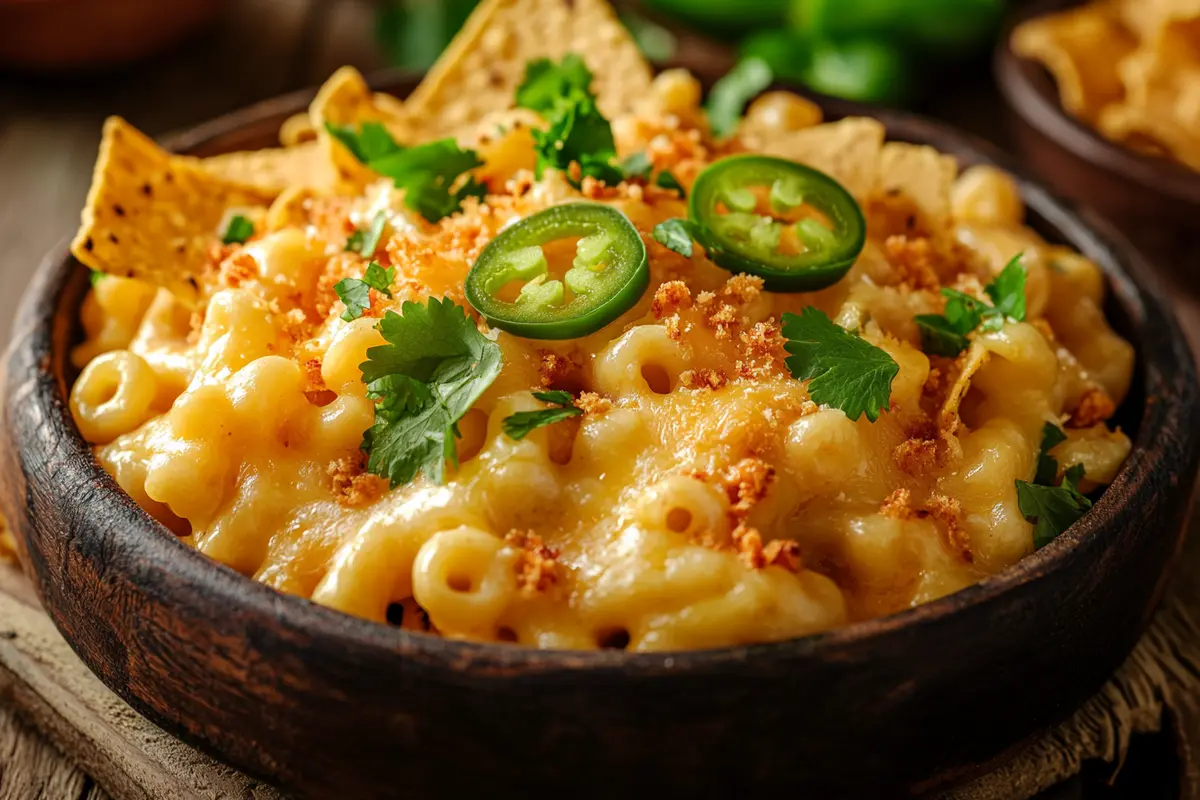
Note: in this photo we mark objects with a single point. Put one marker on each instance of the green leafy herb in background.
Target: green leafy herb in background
(676, 234)
(521, 424)
(843, 370)
(434, 367)
(730, 95)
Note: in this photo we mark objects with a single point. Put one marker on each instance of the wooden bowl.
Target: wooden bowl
(71, 35)
(1155, 199)
(328, 705)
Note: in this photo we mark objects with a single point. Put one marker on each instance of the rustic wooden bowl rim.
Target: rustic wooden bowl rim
(1032, 94)
(162, 553)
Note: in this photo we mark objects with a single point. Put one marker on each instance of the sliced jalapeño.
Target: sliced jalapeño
(793, 226)
(608, 275)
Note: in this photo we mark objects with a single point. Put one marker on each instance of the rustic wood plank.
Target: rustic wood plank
(30, 768)
(132, 759)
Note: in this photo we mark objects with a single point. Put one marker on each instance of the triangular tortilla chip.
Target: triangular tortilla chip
(345, 99)
(921, 174)
(847, 150)
(152, 215)
(275, 169)
(297, 129)
(481, 69)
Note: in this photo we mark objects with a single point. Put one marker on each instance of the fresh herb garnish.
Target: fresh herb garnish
(238, 231)
(1052, 509)
(637, 165)
(521, 424)
(733, 91)
(366, 241)
(666, 180)
(431, 174)
(96, 276)
(675, 234)
(434, 367)
(576, 133)
(843, 370)
(356, 292)
(945, 334)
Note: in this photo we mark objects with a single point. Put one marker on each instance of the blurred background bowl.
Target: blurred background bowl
(69, 35)
(1156, 201)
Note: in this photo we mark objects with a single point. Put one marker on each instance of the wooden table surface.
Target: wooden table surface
(49, 131)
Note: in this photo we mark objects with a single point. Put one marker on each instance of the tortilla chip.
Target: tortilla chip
(920, 174)
(297, 129)
(152, 215)
(1147, 18)
(481, 69)
(848, 150)
(1081, 48)
(274, 170)
(345, 99)
(288, 210)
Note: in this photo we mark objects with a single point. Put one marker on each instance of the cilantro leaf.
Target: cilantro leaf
(434, 367)
(1007, 290)
(675, 234)
(843, 369)
(1052, 509)
(939, 336)
(733, 91)
(545, 82)
(356, 292)
(667, 180)
(637, 165)
(428, 173)
(1047, 465)
(369, 142)
(367, 241)
(521, 424)
(945, 334)
(576, 131)
(95, 276)
(238, 231)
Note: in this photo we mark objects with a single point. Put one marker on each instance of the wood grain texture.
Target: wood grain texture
(326, 704)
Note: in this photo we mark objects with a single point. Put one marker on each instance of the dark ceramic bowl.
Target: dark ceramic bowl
(1156, 200)
(331, 706)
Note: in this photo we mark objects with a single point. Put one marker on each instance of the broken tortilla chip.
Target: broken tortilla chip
(152, 215)
(481, 69)
(1081, 48)
(920, 174)
(297, 129)
(847, 150)
(275, 169)
(967, 365)
(345, 99)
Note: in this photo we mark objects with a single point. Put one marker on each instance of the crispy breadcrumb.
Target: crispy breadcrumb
(555, 369)
(911, 259)
(1095, 406)
(352, 485)
(948, 511)
(703, 378)
(670, 298)
(538, 569)
(898, 505)
(746, 483)
(778, 553)
(593, 405)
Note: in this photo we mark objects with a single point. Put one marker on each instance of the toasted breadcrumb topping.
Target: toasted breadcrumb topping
(538, 569)
(352, 485)
(1095, 406)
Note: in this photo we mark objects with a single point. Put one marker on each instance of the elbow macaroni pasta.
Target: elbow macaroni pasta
(702, 499)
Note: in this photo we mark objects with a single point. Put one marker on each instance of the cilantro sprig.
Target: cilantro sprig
(365, 241)
(435, 366)
(356, 292)
(521, 424)
(1052, 509)
(576, 132)
(435, 176)
(238, 230)
(946, 334)
(639, 167)
(843, 370)
(676, 234)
